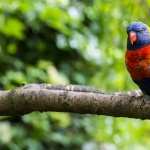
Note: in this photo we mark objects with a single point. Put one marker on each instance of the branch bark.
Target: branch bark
(72, 98)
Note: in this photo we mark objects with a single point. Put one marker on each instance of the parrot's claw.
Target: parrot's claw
(139, 93)
(136, 93)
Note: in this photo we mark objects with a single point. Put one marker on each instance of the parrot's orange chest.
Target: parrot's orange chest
(138, 63)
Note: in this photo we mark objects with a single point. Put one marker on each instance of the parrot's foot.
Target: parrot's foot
(136, 93)
(139, 93)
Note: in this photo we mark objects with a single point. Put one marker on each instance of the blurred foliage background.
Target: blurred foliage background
(69, 42)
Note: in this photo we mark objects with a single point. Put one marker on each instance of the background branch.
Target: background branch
(72, 98)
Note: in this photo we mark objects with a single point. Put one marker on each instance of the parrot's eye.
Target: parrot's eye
(141, 30)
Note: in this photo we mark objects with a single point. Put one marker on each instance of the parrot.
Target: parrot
(137, 55)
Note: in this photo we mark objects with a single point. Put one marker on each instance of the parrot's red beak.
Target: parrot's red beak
(132, 37)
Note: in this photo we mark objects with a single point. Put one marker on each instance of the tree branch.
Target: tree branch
(72, 98)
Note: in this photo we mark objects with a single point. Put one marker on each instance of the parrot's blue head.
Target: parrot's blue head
(138, 35)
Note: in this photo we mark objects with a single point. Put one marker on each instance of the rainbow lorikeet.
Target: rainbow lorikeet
(137, 56)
